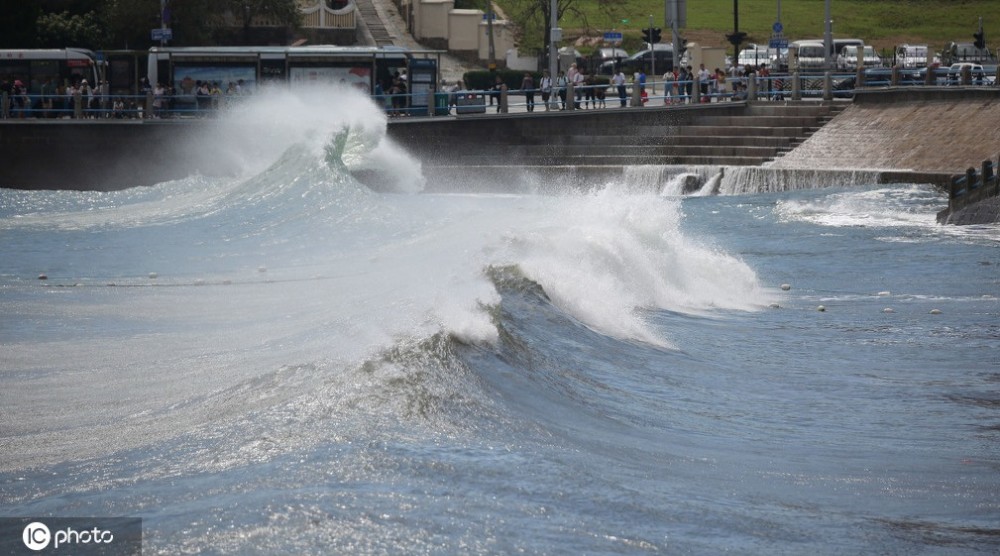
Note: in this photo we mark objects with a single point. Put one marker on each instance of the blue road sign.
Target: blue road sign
(778, 43)
(777, 27)
(162, 34)
(612, 36)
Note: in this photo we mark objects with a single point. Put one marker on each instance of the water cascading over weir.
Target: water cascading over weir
(723, 148)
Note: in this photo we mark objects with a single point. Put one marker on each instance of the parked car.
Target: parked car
(848, 57)
(643, 60)
(957, 52)
(976, 71)
(913, 56)
(839, 44)
(753, 57)
(596, 61)
(811, 55)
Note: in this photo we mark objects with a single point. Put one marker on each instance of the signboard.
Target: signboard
(613, 36)
(778, 43)
(162, 34)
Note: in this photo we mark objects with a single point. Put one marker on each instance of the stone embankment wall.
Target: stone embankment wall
(923, 130)
(939, 130)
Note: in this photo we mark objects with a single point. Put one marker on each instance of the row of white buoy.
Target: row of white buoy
(822, 308)
(154, 276)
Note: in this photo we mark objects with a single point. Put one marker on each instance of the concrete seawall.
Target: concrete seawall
(923, 130)
(923, 133)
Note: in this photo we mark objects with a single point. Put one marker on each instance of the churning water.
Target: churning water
(290, 362)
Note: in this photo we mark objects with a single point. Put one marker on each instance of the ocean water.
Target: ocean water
(287, 361)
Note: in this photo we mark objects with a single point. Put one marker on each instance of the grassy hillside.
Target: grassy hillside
(883, 23)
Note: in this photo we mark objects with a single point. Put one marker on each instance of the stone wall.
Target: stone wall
(924, 130)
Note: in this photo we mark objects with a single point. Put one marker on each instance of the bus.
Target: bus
(57, 67)
(249, 68)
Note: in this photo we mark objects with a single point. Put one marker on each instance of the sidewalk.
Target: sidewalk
(451, 70)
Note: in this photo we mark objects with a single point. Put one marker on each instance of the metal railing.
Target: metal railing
(781, 87)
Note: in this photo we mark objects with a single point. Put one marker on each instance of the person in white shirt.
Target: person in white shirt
(619, 82)
(546, 86)
(703, 78)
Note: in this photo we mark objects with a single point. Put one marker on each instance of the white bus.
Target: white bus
(45, 74)
(59, 67)
(253, 66)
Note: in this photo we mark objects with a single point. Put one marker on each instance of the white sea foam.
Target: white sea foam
(900, 206)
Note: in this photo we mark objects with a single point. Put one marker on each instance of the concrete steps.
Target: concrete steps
(738, 135)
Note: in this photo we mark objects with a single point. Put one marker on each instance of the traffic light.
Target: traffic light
(656, 35)
(980, 40)
(736, 38)
(647, 35)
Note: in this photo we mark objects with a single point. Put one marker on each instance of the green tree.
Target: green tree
(192, 22)
(129, 22)
(533, 16)
(285, 12)
(58, 30)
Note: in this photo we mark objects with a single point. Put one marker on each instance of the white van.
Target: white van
(811, 55)
(753, 57)
(848, 58)
(911, 55)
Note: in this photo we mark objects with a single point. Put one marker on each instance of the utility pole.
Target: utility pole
(828, 35)
(555, 35)
(736, 38)
(489, 31)
(652, 55)
(163, 23)
(674, 33)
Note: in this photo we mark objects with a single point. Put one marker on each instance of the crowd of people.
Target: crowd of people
(74, 99)
(683, 85)
(53, 100)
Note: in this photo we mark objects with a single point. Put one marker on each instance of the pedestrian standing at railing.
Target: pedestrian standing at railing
(703, 79)
(18, 98)
(764, 80)
(590, 86)
(495, 92)
(682, 80)
(546, 86)
(561, 89)
(69, 100)
(720, 84)
(578, 91)
(216, 91)
(46, 91)
(528, 87)
(619, 82)
(86, 94)
(668, 86)
(158, 93)
(689, 85)
(104, 99)
(397, 92)
(572, 73)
